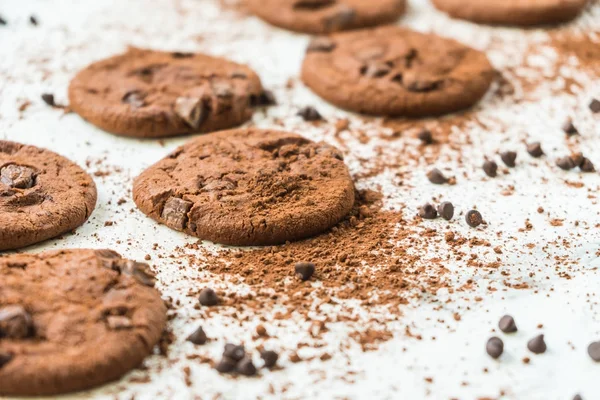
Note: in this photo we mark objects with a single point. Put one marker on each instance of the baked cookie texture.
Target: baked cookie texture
(394, 71)
(74, 319)
(248, 187)
(42, 195)
(324, 16)
(146, 93)
(512, 12)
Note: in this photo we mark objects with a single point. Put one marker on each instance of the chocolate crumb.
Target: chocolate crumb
(437, 177)
(304, 270)
(428, 212)
(569, 128)
(507, 324)
(446, 210)
(208, 297)
(49, 99)
(309, 113)
(537, 345)
(33, 20)
(198, 337)
(3, 21)
(490, 168)
(494, 347)
(269, 357)
(509, 158)
(425, 136)
(474, 218)
(535, 149)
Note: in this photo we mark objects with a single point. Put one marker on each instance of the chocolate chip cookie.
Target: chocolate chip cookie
(74, 319)
(42, 195)
(145, 93)
(512, 12)
(394, 71)
(248, 187)
(323, 16)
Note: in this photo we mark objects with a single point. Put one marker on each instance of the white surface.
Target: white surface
(71, 34)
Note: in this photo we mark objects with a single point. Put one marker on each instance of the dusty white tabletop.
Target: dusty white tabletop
(545, 275)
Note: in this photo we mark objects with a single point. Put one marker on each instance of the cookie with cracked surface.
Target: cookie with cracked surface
(324, 16)
(74, 319)
(394, 71)
(248, 187)
(512, 12)
(146, 93)
(42, 195)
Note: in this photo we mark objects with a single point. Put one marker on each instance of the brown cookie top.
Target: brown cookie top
(396, 72)
(146, 93)
(248, 187)
(323, 16)
(512, 12)
(74, 319)
(42, 195)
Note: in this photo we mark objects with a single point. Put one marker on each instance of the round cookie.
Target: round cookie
(512, 12)
(394, 71)
(248, 187)
(323, 16)
(145, 93)
(42, 195)
(74, 319)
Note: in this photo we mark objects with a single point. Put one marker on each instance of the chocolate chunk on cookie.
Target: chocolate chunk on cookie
(74, 319)
(512, 12)
(323, 16)
(145, 93)
(42, 195)
(394, 71)
(248, 187)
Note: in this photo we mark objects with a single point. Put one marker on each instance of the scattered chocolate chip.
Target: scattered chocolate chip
(17, 176)
(446, 210)
(569, 128)
(509, 158)
(33, 20)
(15, 322)
(537, 345)
(594, 351)
(535, 149)
(341, 19)
(49, 99)
(490, 168)
(175, 211)
(118, 322)
(428, 212)
(304, 270)
(134, 98)
(436, 176)
(246, 367)
(234, 352)
(474, 218)
(577, 159)
(321, 44)
(595, 106)
(577, 397)
(3, 21)
(208, 297)
(586, 165)
(269, 357)
(225, 365)
(5, 358)
(425, 136)
(198, 336)
(494, 347)
(309, 113)
(507, 324)
(192, 111)
(266, 98)
(565, 163)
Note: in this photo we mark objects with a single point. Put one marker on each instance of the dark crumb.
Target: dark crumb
(33, 20)
(3, 21)
(49, 99)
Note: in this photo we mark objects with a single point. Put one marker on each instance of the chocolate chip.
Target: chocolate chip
(586, 165)
(535, 149)
(175, 212)
(118, 322)
(594, 351)
(537, 345)
(428, 211)
(3, 21)
(266, 98)
(304, 270)
(269, 357)
(577, 397)
(140, 271)
(509, 158)
(595, 106)
(321, 44)
(33, 20)
(246, 367)
(198, 336)
(342, 19)
(5, 358)
(569, 128)
(178, 54)
(17, 176)
(446, 210)
(234, 352)
(425, 136)
(375, 69)
(565, 163)
(15, 322)
(577, 159)
(309, 113)
(494, 347)
(490, 168)
(225, 365)
(474, 218)
(208, 297)
(49, 99)
(135, 98)
(191, 110)
(436, 176)
(507, 324)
